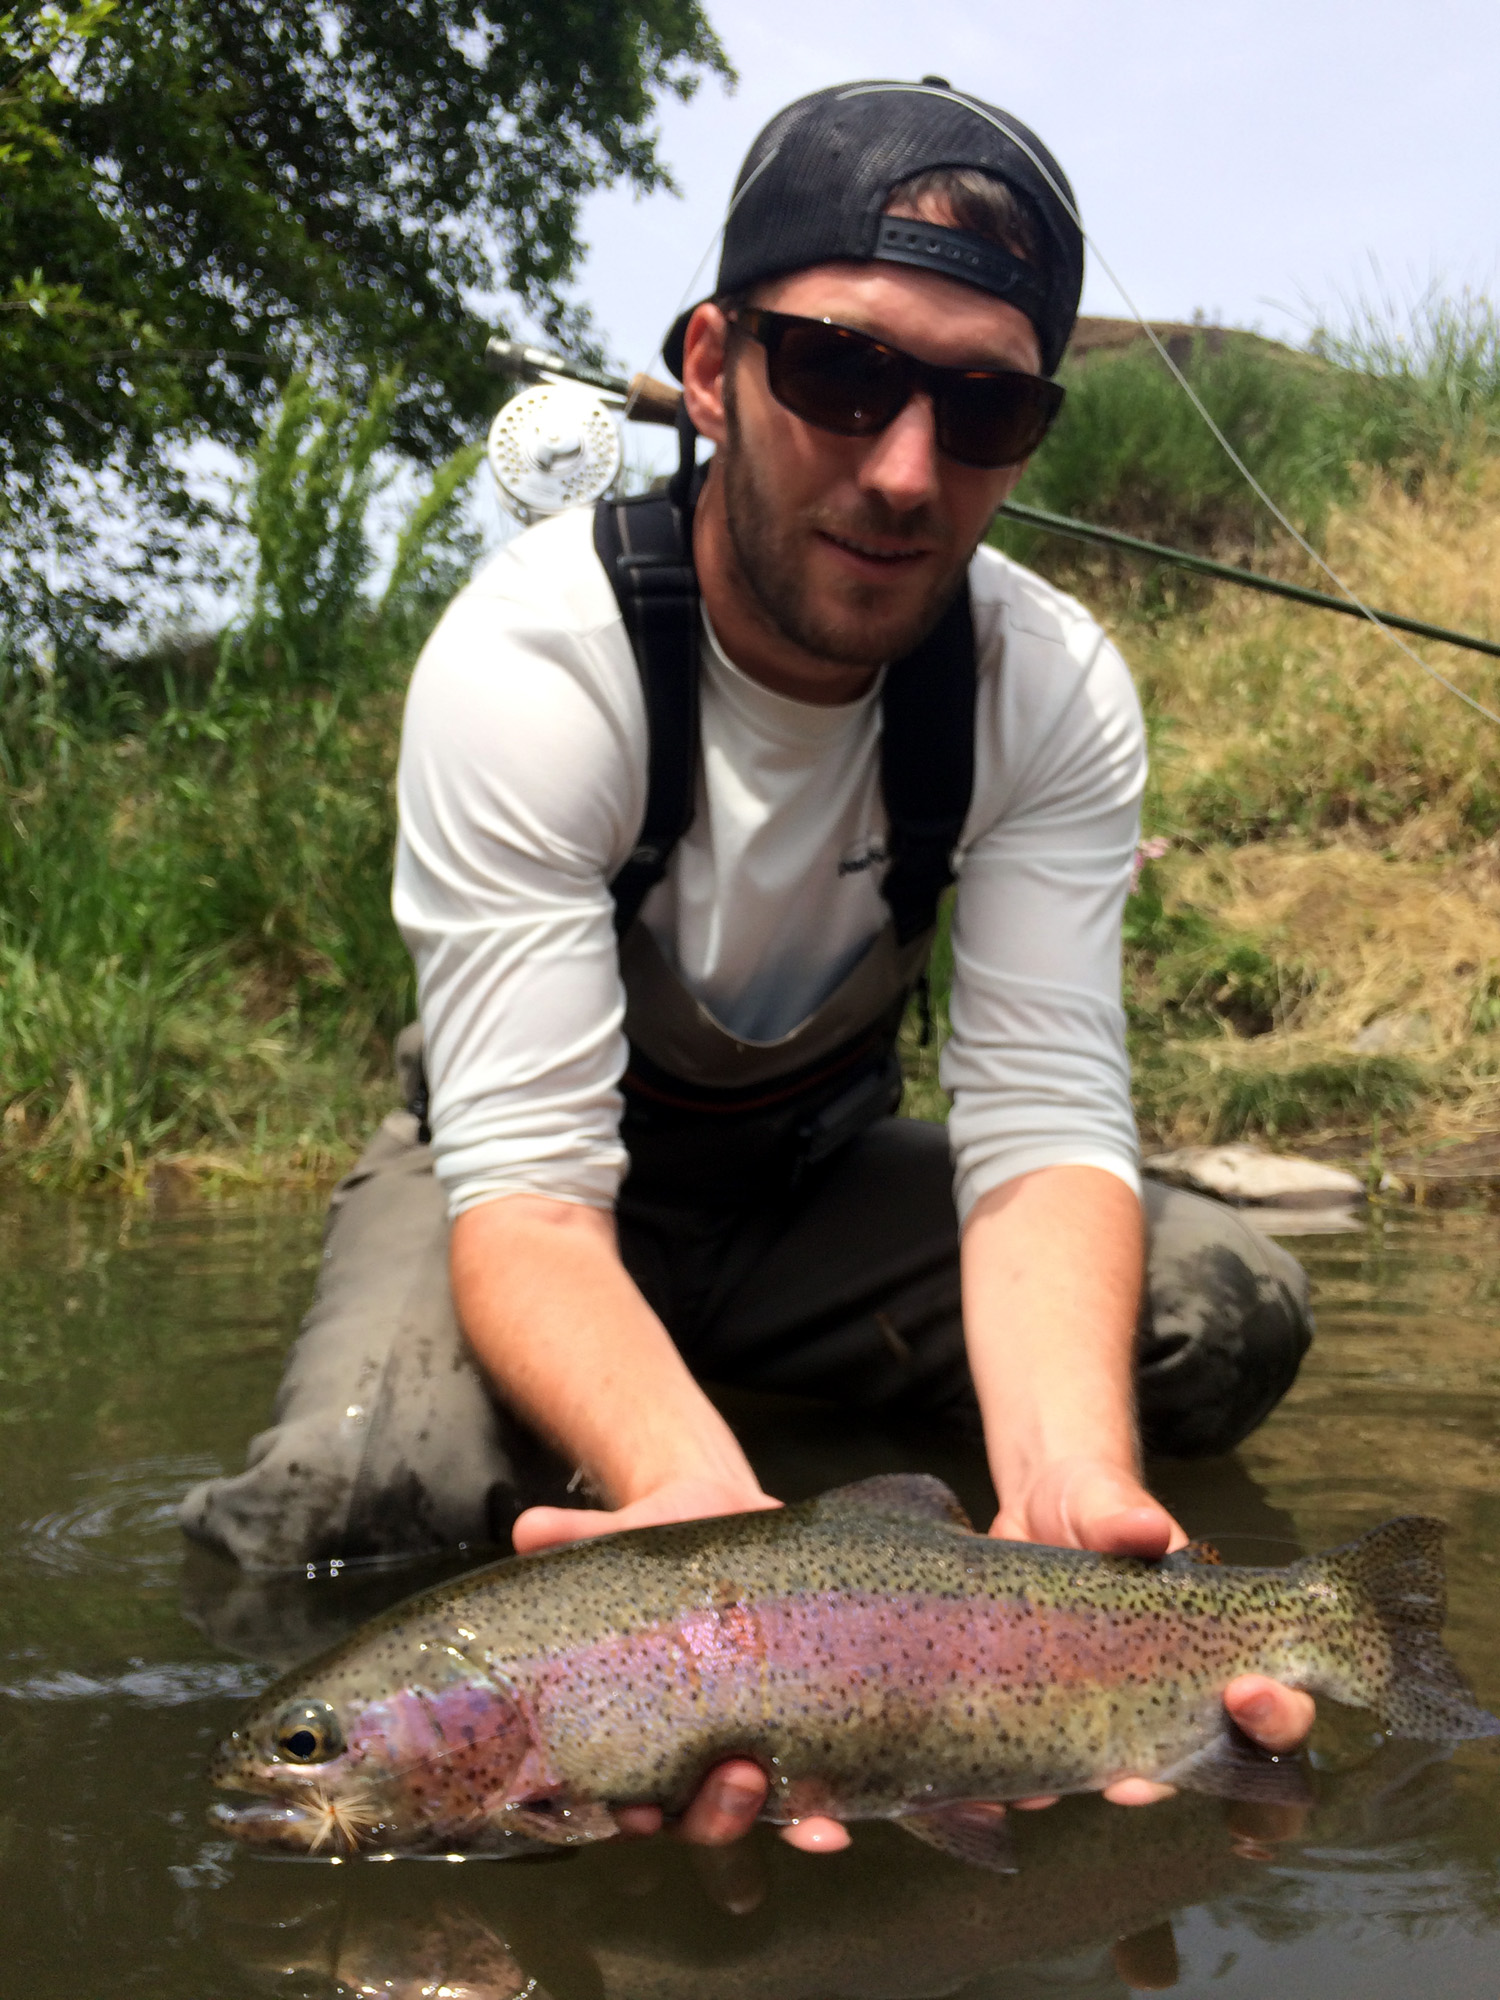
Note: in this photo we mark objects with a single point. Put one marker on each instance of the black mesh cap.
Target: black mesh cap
(814, 187)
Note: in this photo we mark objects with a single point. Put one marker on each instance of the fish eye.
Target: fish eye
(308, 1733)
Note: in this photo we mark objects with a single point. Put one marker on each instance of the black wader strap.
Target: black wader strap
(646, 546)
(927, 710)
(927, 766)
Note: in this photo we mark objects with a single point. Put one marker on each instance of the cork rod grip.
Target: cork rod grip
(651, 402)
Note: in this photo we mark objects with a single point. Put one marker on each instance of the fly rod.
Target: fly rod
(645, 400)
(1247, 579)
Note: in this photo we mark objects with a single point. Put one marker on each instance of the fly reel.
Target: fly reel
(557, 445)
(553, 447)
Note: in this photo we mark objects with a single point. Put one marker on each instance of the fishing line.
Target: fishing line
(633, 394)
(1365, 611)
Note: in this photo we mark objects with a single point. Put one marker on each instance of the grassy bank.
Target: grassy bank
(195, 964)
(198, 972)
(1314, 958)
(1317, 956)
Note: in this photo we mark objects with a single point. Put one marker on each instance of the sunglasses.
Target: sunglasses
(854, 385)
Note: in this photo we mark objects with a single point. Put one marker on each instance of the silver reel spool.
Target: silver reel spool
(553, 447)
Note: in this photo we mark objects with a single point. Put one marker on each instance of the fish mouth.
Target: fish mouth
(318, 1825)
(272, 1823)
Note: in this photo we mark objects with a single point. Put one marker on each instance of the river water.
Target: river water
(139, 1348)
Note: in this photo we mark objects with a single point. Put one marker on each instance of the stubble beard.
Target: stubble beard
(861, 629)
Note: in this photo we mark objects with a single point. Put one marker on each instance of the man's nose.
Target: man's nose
(902, 464)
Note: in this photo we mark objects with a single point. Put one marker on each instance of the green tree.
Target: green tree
(198, 199)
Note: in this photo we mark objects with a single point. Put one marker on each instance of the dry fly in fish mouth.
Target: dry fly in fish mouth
(877, 1657)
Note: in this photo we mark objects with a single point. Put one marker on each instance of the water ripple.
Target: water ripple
(165, 1685)
(124, 1520)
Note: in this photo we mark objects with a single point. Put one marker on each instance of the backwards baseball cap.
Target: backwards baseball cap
(815, 185)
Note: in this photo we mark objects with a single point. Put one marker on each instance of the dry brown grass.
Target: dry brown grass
(1384, 1028)
(1274, 716)
(1379, 939)
(1336, 813)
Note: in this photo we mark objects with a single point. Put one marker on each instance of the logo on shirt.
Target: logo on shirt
(867, 853)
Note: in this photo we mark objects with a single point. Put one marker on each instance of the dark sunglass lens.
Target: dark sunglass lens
(998, 420)
(839, 380)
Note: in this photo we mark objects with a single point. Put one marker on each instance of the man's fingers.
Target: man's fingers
(638, 1822)
(1276, 1717)
(1138, 1792)
(728, 1803)
(1112, 1513)
(816, 1835)
(553, 1527)
(1086, 1503)
(1130, 1531)
(681, 1500)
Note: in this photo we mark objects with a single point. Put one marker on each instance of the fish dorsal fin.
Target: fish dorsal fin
(978, 1834)
(1194, 1556)
(916, 1495)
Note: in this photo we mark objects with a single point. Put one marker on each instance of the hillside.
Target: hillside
(1313, 957)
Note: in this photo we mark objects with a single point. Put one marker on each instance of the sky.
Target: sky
(1248, 160)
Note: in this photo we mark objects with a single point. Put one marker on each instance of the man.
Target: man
(713, 1010)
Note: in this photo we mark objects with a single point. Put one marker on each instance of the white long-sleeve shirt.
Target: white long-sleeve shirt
(522, 789)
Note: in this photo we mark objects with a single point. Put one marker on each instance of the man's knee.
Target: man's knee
(1224, 1327)
(384, 1440)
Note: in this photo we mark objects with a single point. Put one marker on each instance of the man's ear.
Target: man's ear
(704, 358)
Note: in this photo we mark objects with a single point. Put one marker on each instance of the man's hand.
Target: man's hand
(680, 1500)
(1084, 1503)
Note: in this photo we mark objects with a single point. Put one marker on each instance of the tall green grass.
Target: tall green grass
(1130, 450)
(196, 947)
(1385, 388)
(318, 474)
(1420, 382)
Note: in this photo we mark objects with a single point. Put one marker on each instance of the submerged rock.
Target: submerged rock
(1394, 1035)
(1249, 1177)
(1273, 1219)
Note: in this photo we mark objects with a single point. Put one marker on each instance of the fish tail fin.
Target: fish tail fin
(1390, 1656)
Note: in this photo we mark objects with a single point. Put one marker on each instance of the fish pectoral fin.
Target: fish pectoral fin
(978, 1833)
(914, 1494)
(1193, 1555)
(1235, 1767)
(558, 1820)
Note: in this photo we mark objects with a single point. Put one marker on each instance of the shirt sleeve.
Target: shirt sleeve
(1036, 1064)
(521, 782)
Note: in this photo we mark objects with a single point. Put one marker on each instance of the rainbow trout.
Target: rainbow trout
(877, 1657)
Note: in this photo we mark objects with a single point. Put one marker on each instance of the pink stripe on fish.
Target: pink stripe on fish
(925, 1646)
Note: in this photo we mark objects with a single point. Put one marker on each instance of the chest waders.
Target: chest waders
(707, 1113)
